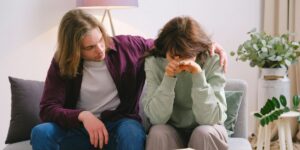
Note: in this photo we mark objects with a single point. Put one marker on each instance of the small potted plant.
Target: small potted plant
(266, 51)
(272, 55)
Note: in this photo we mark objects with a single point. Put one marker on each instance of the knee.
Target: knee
(131, 130)
(203, 132)
(42, 131)
(159, 131)
(208, 137)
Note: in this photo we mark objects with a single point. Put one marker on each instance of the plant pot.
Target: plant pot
(273, 82)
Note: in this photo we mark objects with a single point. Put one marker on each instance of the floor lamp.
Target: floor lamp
(106, 5)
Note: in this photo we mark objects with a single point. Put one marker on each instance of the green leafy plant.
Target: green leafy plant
(267, 51)
(274, 108)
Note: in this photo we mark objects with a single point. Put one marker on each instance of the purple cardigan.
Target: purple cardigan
(61, 95)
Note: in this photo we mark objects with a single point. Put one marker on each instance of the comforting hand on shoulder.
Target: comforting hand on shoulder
(217, 48)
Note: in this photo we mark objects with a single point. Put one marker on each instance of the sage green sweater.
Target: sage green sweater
(188, 100)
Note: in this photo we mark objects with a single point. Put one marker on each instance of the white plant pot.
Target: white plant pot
(273, 82)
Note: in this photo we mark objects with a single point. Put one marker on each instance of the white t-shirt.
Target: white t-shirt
(98, 91)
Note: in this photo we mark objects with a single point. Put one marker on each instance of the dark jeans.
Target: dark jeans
(124, 134)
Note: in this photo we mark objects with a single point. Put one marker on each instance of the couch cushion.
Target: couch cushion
(233, 100)
(25, 100)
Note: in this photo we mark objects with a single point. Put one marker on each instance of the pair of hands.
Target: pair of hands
(176, 65)
(95, 127)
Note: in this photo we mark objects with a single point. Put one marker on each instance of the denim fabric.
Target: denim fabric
(124, 134)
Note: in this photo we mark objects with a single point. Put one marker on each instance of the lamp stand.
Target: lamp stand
(107, 11)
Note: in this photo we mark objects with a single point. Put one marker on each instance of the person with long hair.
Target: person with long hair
(185, 98)
(92, 89)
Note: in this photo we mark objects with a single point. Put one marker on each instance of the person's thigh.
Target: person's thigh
(127, 134)
(76, 139)
(163, 137)
(209, 137)
(46, 136)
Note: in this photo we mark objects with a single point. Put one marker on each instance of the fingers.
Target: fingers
(190, 66)
(96, 130)
(173, 64)
(172, 68)
(106, 136)
(225, 67)
(212, 49)
(185, 62)
(100, 134)
(96, 139)
(185, 68)
(170, 71)
(218, 48)
(215, 47)
(99, 137)
(223, 61)
(178, 65)
(92, 137)
(183, 65)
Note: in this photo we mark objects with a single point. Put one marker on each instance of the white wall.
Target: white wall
(28, 30)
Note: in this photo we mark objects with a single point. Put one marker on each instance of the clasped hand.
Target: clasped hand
(178, 65)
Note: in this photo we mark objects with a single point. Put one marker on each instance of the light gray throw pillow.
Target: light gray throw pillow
(233, 99)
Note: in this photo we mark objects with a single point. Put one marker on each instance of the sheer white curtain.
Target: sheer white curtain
(294, 26)
(283, 16)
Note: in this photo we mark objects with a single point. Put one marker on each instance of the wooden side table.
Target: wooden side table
(284, 131)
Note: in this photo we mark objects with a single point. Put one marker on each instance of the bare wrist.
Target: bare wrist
(82, 115)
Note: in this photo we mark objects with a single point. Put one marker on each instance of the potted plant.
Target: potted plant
(272, 55)
(266, 51)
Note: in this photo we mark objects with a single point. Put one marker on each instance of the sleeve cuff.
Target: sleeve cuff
(168, 83)
(199, 80)
(74, 121)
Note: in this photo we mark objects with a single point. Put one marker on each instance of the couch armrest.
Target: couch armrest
(241, 127)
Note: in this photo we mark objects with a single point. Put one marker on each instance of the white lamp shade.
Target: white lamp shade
(107, 4)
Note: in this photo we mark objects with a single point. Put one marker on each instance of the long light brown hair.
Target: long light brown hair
(183, 37)
(72, 29)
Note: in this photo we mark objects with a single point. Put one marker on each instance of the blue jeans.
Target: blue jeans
(124, 134)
